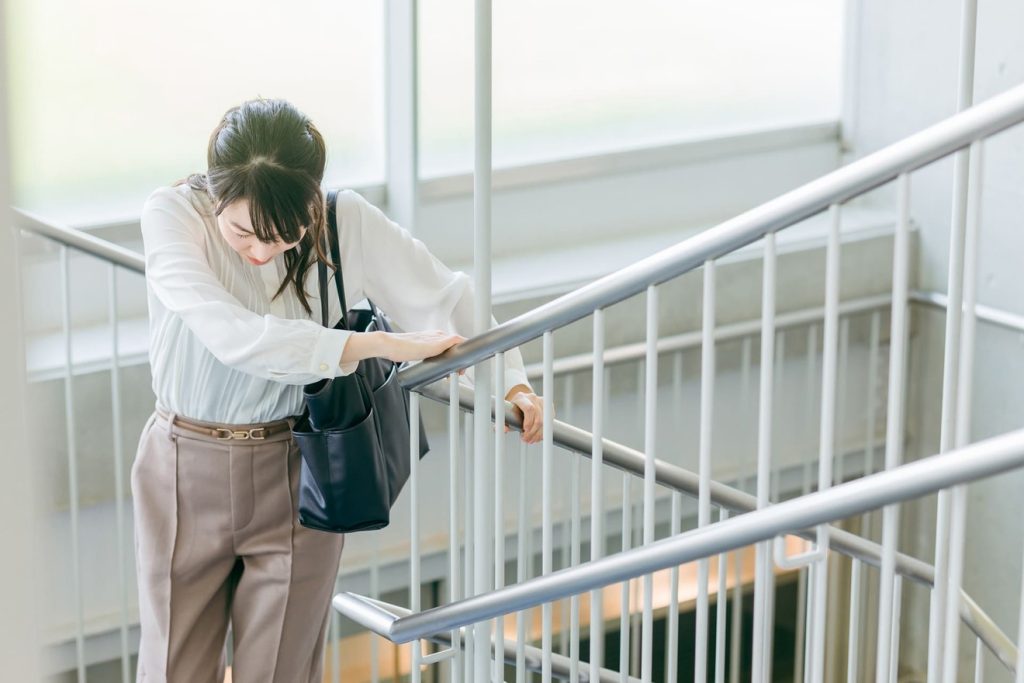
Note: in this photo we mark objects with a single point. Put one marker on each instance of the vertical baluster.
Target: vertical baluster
(523, 558)
(962, 432)
(482, 186)
(869, 441)
(637, 516)
(853, 642)
(764, 463)
(672, 635)
(737, 618)
(115, 412)
(597, 533)
(809, 621)
(565, 508)
(803, 583)
(951, 356)
(565, 515)
(414, 526)
(954, 574)
(499, 506)
(841, 384)
(546, 493)
(1019, 678)
(650, 445)
(746, 408)
(468, 538)
(801, 625)
(624, 609)
(979, 661)
(707, 388)
(779, 373)
(827, 436)
(375, 594)
(571, 542)
(72, 443)
(894, 421)
(574, 560)
(736, 640)
(454, 580)
(721, 601)
(897, 605)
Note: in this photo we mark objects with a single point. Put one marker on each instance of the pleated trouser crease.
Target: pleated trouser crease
(217, 540)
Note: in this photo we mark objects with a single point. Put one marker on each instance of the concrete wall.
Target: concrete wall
(906, 79)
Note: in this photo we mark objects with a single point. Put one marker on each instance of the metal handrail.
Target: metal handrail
(918, 150)
(630, 460)
(673, 477)
(132, 260)
(561, 667)
(82, 241)
(979, 460)
(873, 170)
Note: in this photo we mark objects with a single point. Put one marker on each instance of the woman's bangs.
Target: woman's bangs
(279, 204)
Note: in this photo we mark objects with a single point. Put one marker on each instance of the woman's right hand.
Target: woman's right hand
(403, 346)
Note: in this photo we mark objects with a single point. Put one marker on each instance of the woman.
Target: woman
(234, 335)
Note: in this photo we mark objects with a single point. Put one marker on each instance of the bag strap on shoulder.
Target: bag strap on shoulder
(335, 252)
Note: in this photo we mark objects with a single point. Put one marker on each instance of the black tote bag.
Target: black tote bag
(354, 429)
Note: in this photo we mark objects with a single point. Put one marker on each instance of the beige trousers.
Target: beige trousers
(217, 540)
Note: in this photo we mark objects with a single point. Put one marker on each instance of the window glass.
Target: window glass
(112, 98)
(578, 77)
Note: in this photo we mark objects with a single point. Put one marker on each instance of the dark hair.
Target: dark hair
(268, 152)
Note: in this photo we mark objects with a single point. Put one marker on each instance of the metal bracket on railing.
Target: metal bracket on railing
(817, 553)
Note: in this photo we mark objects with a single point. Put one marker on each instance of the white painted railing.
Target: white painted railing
(954, 136)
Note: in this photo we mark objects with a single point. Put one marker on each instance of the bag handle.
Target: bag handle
(335, 251)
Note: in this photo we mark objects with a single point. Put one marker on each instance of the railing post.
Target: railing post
(764, 456)
(115, 413)
(597, 533)
(482, 545)
(894, 421)
(675, 527)
(965, 381)
(499, 504)
(454, 559)
(951, 359)
(826, 446)
(547, 457)
(650, 452)
(71, 440)
(414, 526)
(707, 396)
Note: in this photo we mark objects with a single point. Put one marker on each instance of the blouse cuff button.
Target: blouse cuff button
(323, 366)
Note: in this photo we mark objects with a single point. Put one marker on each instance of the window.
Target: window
(112, 98)
(579, 77)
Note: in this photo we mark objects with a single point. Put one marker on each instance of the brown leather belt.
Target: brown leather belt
(228, 432)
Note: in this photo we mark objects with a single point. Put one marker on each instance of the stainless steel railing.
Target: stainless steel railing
(894, 163)
(681, 480)
(678, 479)
(832, 189)
(979, 460)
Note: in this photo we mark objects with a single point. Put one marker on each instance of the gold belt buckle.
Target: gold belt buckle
(256, 434)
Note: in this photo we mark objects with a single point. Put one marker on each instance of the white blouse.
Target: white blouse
(221, 351)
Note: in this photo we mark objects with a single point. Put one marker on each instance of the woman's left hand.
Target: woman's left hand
(530, 408)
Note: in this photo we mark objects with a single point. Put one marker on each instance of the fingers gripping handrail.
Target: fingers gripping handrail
(913, 152)
(677, 478)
